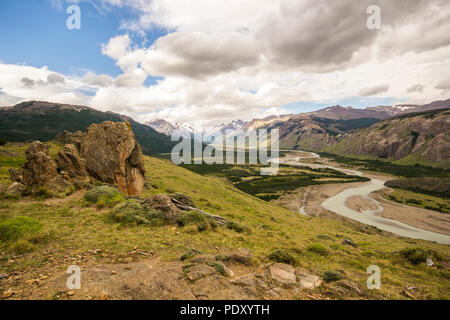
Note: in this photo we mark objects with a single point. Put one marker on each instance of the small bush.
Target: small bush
(18, 227)
(220, 268)
(416, 255)
(22, 246)
(318, 249)
(133, 211)
(104, 196)
(282, 256)
(189, 254)
(184, 199)
(331, 275)
(193, 218)
(239, 228)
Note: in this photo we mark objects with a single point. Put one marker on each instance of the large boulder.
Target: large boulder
(39, 169)
(113, 155)
(70, 163)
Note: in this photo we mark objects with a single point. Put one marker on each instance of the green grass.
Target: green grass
(75, 229)
(418, 200)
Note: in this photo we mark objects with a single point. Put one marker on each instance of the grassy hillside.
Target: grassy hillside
(36, 120)
(71, 228)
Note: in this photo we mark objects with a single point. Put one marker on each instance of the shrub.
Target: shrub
(15, 228)
(193, 218)
(184, 199)
(189, 254)
(133, 211)
(416, 255)
(220, 268)
(331, 275)
(282, 256)
(104, 196)
(239, 228)
(22, 246)
(318, 249)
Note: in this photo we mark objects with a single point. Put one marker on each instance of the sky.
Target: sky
(210, 61)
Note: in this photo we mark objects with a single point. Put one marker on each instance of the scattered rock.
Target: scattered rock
(349, 242)
(70, 293)
(162, 202)
(16, 189)
(429, 262)
(113, 155)
(243, 256)
(351, 287)
(200, 271)
(307, 280)
(69, 137)
(7, 294)
(408, 294)
(283, 273)
(3, 276)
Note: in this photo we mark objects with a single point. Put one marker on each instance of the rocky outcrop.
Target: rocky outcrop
(70, 164)
(39, 169)
(112, 155)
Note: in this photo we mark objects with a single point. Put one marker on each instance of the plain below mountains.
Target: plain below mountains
(38, 120)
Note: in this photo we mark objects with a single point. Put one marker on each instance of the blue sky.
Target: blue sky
(217, 60)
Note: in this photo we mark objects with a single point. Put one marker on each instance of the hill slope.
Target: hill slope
(415, 137)
(37, 120)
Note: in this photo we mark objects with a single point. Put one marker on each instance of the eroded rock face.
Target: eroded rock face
(112, 155)
(39, 169)
(69, 162)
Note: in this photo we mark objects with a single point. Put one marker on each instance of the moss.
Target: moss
(318, 249)
(104, 196)
(15, 228)
(133, 211)
(283, 256)
(331, 275)
(220, 268)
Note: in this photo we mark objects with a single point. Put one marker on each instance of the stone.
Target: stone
(69, 160)
(3, 276)
(40, 169)
(15, 175)
(429, 262)
(184, 199)
(162, 202)
(349, 242)
(7, 294)
(243, 256)
(307, 280)
(16, 189)
(283, 273)
(200, 271)
(113, 155)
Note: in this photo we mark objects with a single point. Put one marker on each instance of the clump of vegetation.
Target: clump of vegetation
(324, 237)
(189, 254)
(331, 275)
(318, 249)
(133, 211)
(239, 228)
(22, 246)
(194, 219)
(184, 199)
(220, 268)
(282, 256)
(416, 255)
(16, 228)
(2, 142)
(104, 196)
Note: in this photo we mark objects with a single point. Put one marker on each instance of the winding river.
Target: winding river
(337, 203)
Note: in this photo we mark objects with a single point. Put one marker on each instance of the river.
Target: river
(337, 203)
